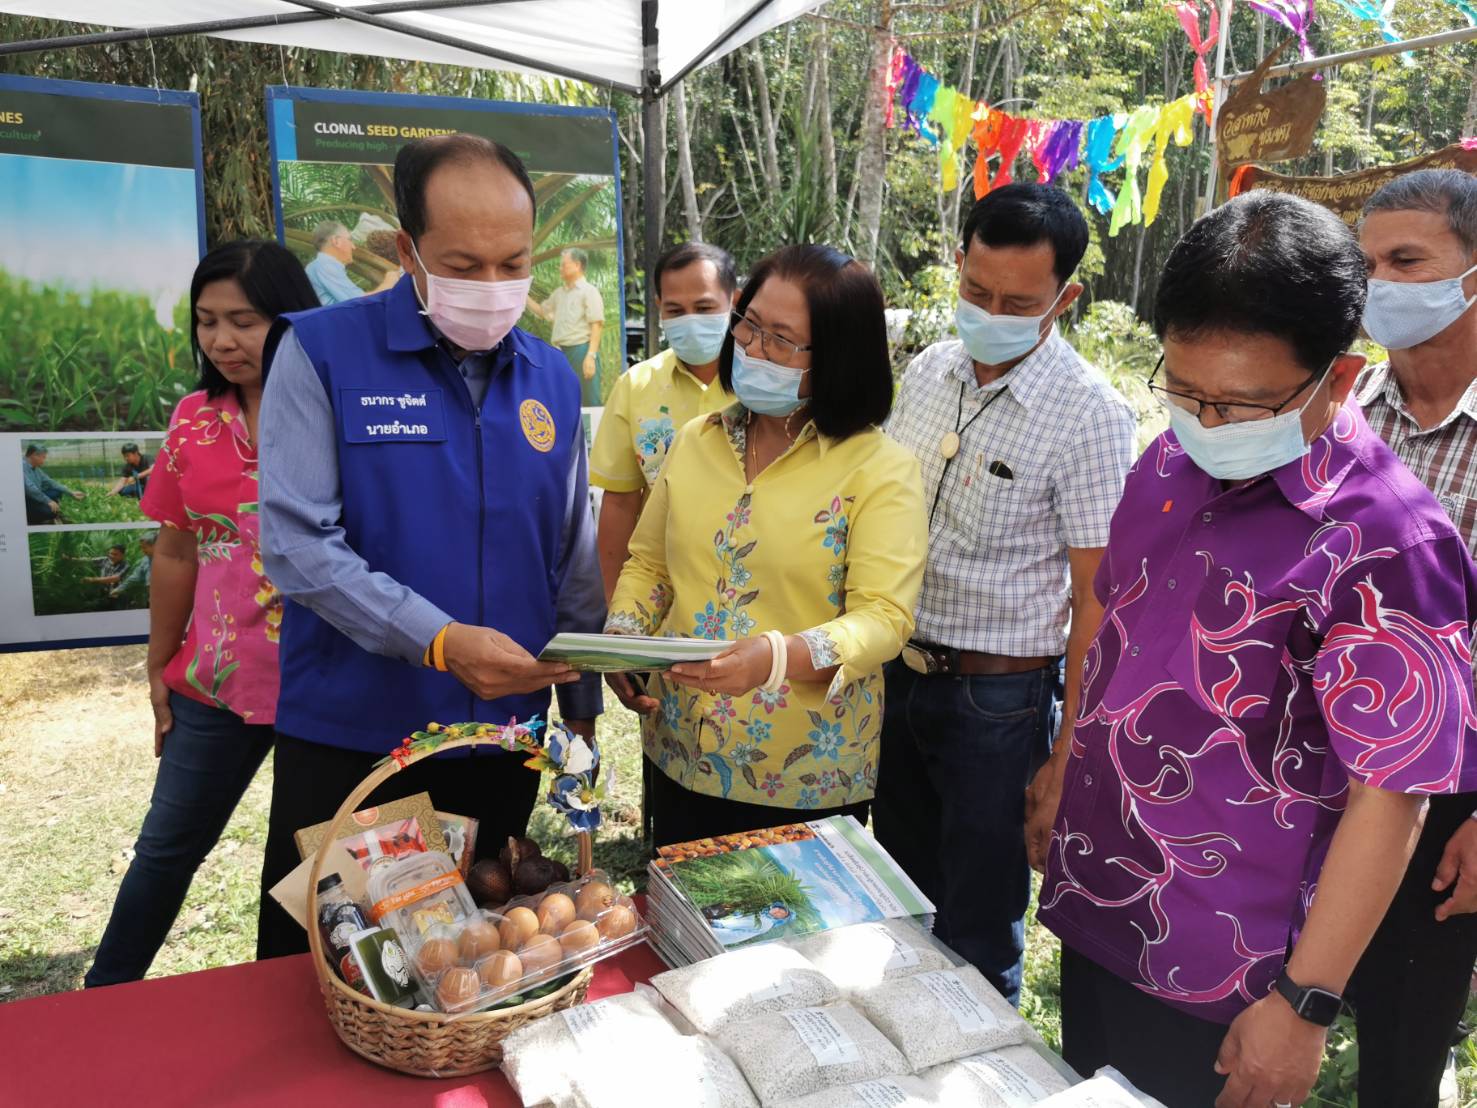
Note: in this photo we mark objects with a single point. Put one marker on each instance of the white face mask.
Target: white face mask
(475, 315)
(1402, 314)
(1240, 451)
(997, 339)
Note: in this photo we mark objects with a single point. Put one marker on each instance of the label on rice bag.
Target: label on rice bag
(827, 1040)
(880, 1093)
(780, 989)
(582, 1020)
(1005, 1079)
(903, 956)
(969, 1014)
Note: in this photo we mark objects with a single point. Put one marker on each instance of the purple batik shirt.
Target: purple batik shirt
(1260, 645)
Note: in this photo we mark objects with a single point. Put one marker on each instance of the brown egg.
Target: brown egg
(593, 899)
(436, 954)
(458, 986)
(616, 922)
(539, 953)
(478, 939)
(500, 970)
(578, 938)
(518, 924)
(555, 913)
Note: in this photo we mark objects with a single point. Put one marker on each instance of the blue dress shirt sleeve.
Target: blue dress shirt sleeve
(331, 281)
(580, 605)
(303, 546)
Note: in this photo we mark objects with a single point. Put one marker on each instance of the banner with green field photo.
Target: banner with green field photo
(333, 154)
(101, 224)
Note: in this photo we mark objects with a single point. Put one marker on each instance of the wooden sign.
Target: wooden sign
(1346, 194)
(1257, 126)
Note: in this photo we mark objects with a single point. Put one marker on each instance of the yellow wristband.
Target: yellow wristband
(438, 649)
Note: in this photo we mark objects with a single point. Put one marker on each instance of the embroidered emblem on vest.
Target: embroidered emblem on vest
(538, 425)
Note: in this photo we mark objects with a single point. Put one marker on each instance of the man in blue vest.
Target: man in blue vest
(424, 508)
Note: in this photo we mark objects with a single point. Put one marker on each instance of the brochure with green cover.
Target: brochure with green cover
(628, 653)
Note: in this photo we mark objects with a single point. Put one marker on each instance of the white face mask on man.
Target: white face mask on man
(1402, 314)
(475, 315)
(1240, 451)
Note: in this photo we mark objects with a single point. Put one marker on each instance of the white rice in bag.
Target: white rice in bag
(942, 1015)
(692, 1072)
(883, 1092)
(866, 954)
(791, 1054)
(1012, 1077)
(754, 981)
(541, 1058)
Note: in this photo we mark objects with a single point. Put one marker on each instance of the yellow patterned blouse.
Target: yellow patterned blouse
(828, 542)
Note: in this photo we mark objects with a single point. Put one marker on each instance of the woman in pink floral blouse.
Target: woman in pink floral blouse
(213, 615)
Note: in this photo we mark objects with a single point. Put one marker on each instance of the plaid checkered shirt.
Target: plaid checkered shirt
(1444, 458)
(1038, 472)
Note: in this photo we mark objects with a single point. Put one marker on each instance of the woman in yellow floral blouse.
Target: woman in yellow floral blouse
(790, 525)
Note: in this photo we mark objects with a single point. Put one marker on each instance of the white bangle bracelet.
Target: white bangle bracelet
(779, 661)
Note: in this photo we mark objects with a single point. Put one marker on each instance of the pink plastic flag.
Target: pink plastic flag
(1189, 16)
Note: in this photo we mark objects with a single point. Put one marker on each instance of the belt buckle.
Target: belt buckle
(920, 660)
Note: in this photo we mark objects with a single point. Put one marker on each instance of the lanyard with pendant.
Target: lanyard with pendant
(951, 440)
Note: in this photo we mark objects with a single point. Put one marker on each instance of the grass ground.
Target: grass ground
(75, 775)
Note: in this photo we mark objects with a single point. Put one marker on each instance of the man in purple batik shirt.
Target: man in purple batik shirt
(1282, 674)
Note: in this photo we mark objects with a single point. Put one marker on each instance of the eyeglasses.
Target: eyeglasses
(779, 351)
(1228, 413)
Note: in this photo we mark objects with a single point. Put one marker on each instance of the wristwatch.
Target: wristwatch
(1313, 1004)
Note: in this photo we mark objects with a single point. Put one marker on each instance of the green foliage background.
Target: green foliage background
(57, 585)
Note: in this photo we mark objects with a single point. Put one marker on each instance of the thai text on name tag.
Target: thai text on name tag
(414, 415)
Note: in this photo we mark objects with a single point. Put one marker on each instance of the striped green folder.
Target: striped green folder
(628, 653)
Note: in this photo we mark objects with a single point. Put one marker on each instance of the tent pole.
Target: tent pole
(1328, 61)
(651, 150)
(1218, 90)
(218, 26)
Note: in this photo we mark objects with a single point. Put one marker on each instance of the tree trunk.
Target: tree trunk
(823, 119)
(768, 148)
(872, 161)
(1469, 117)
(658, 182)
(684, 165)
(951, 227)
(1138, 266)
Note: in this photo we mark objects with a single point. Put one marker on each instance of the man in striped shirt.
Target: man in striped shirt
(1420, 236)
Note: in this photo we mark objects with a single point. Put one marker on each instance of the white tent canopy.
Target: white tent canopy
(602, 41)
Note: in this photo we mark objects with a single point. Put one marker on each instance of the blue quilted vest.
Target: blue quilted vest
(464, 506)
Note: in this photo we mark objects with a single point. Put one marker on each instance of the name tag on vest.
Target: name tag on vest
(412, 416)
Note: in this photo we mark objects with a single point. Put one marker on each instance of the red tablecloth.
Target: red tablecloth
(253, 1034)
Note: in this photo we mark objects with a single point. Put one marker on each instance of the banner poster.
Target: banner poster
(333, 155)
(1347, 193)
(101, 225)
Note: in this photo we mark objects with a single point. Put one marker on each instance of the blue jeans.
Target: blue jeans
(210, 757)
(957, 755)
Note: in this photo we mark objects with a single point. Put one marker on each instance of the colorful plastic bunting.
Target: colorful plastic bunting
(1099, 159)
(1295, 15)
(1189, 16)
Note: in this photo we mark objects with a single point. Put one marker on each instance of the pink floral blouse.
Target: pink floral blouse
(205, 481)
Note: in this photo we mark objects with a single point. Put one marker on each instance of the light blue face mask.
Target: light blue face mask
(1240, 451)
(696, 339)
(997, 339)
(763, 387)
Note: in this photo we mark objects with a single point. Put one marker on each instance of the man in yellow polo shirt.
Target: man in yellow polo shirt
(695, 286)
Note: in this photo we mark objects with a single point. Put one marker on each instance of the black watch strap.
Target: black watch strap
(1312, 1003)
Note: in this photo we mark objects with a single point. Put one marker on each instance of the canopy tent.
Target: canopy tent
(639, 47)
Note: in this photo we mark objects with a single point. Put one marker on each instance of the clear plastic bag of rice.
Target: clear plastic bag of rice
(942, 1015)
(540, 1058)
(865, 954)
(691, 1072)
(1011, 1077)
(754, 981)
(883, 1092)
(792, 1054)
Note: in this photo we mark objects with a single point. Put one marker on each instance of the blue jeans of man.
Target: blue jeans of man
(957, 755)
(589, 386)
(210, 756)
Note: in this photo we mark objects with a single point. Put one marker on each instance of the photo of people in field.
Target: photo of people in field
(87, 480)
(90, 570)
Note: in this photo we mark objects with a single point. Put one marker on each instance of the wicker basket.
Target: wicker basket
(425, 1044)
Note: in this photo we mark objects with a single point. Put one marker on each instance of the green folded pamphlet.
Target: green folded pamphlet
(628, 653)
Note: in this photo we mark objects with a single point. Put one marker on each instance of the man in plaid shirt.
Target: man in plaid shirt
(1420, 236)
(1024, 448)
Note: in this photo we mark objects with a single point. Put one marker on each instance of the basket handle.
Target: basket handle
(376, 778)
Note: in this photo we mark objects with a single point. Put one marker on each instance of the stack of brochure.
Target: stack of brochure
(714, 895)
